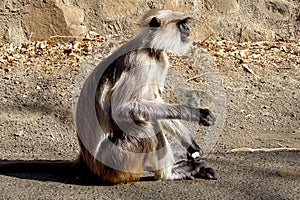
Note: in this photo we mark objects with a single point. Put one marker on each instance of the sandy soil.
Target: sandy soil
(262, 85)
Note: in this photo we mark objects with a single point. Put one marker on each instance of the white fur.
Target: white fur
(170, 40)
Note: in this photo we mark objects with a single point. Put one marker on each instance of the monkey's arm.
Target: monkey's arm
(142, 111)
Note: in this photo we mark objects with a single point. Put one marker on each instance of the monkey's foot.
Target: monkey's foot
(206, 173)
(201, 169)
(190, 169)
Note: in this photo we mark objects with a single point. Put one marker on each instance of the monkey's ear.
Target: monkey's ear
(155, 22)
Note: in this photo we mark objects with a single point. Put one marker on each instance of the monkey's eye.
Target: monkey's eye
(184, 29)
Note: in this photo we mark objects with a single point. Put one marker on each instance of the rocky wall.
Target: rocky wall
(237, 20)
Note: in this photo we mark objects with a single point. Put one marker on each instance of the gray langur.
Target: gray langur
(121, 118)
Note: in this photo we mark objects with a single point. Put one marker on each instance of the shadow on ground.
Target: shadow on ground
(243, 165)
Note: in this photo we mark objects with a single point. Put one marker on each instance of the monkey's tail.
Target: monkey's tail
(43, 166)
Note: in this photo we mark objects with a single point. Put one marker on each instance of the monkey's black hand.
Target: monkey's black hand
(206, 117)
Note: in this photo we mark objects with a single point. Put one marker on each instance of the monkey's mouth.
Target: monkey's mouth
(184, 31)
(185, 38)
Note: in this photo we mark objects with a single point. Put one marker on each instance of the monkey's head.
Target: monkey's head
(167, 30)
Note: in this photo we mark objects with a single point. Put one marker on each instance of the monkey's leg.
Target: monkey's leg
(187, 168)
(193, 166)
(182, 134)
(142, 111)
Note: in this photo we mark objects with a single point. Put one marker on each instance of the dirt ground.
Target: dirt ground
(257, 155)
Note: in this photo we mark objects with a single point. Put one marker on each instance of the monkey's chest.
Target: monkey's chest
(154, 86)
(152, 92)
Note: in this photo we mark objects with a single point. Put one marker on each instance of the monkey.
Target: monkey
(121, 118)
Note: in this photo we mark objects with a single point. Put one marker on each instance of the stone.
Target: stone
(74, 17)
(53, 17)
(237, 20)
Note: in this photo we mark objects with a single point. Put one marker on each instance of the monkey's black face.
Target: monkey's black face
(184, 30)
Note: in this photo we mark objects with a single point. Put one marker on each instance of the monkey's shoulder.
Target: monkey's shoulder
(136, 60)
